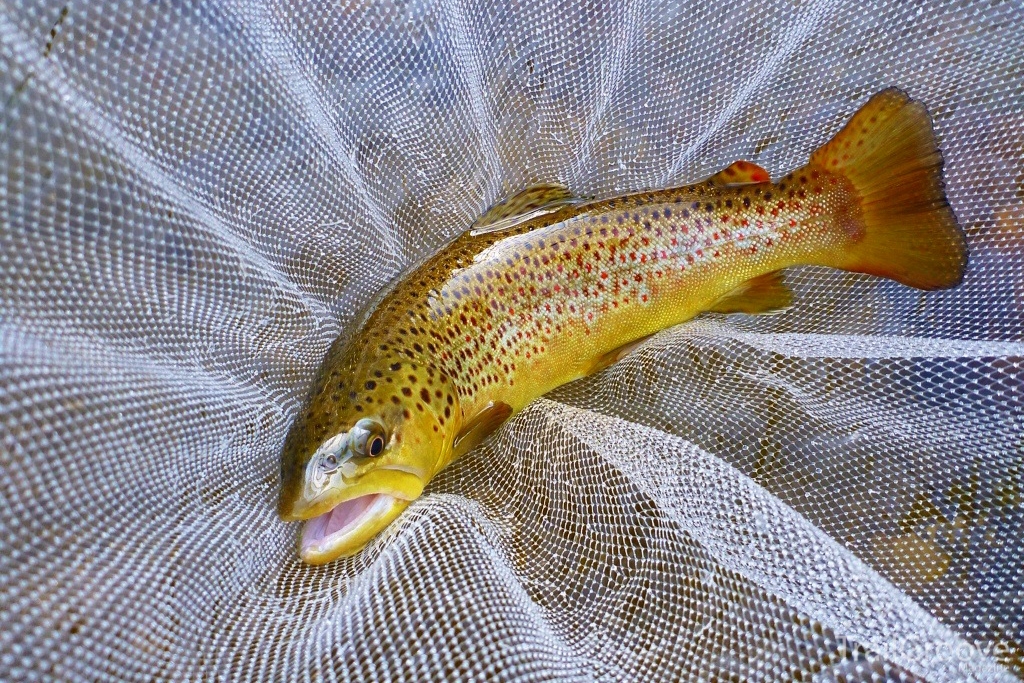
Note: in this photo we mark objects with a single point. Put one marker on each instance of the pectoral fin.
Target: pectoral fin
(479, 427)
(740, 173)
(758, 295)
(534, 201)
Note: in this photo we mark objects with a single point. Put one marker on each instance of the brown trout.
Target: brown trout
(546, 288)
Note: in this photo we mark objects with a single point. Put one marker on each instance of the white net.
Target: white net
(197, 197)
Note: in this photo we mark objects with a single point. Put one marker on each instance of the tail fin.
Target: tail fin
(888, 152)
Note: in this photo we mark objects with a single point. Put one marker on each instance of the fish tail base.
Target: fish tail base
(907, 232)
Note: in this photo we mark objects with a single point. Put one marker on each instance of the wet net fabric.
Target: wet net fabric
(197, 197)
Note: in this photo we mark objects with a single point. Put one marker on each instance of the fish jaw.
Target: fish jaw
(346, 528)
(345, 517)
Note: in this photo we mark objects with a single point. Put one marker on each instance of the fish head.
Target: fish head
(364, 448)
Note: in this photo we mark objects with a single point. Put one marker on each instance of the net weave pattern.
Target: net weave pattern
(196, 199)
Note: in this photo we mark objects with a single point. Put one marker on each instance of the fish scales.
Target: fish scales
(521, 305)
(545, 298)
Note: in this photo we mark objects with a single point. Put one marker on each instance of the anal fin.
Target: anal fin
(740, 173)
(479, 427)
(761, 294)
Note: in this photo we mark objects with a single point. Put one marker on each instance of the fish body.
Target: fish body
(516, 308)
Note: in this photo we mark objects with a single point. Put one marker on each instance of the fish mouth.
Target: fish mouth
(347, 527)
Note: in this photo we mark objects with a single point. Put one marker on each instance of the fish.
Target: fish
(547, 287)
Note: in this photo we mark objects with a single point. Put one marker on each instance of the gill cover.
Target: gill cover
(373, 435)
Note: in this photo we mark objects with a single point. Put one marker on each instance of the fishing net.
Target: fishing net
(197, 198)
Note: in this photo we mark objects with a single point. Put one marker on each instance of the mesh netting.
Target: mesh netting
(197, 197)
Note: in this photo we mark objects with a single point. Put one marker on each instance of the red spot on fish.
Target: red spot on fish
(643, 258)
(792, 223)
(725, 218)
(717, 254)
(714, 236)
(643, 297)
(638, 277)
(744, 222)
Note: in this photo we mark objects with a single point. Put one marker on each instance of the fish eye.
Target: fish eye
(367, 438)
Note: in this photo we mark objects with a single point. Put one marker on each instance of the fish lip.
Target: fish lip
(408, 486)
(362, 518)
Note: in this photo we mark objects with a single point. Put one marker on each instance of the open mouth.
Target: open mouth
(347, 527)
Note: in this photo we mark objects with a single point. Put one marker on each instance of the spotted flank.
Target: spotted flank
(546, 288)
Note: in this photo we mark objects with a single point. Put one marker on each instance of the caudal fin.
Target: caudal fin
(888, 152)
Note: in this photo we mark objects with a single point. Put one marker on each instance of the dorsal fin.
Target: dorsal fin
(740, 173)
(762, 294)
(534, 201)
